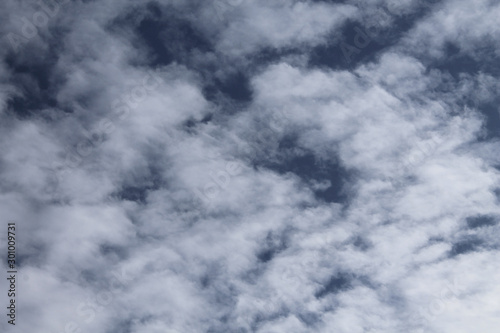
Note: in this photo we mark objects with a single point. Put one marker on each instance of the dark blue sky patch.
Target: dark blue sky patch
(458, 65)
(309, 168)
(30, 253)
(150, 32)
(171, 38)
(457, 62)
(266, 255)
(360, 44)
(168, 36)
(344, 53)
(465, 246)
(491, 112)
(337, 283)
(205, 280)
(479, 221)
(207, 118)
(335, 193)
(271, 55)
(135, 193)
(141, 183)
(235, 86)
(274, 244)
(455, 69)
(190, 124)
(35, 78)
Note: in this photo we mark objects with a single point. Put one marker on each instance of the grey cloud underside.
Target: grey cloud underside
(253, 166)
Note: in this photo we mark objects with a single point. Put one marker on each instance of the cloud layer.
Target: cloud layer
(252, 166)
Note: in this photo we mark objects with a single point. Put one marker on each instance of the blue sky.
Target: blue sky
(252, 166)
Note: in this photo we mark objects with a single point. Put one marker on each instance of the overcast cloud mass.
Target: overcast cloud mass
(271, 166)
